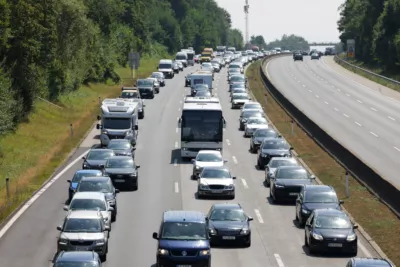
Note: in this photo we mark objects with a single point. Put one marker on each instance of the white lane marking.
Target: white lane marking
(177, 130)
(347, 94)
(310, 91)
(317, 96)
(374, 109)
(234, 160)
(398, 149)
(347, 116)
(374, 134)
(326, 103)
(298, 81)
(359, 124)
(175, 162)
(359, 101)
(393, 119)
(335, 109)
(228, 142)
(326, 82)
(180, 102)
(244, 183)
(338, 90)
(303, 85)
(279, 260)
(258, 215)
(38, 194)
(179, 109)
(176, 144)
(333, 86)
(176, 187)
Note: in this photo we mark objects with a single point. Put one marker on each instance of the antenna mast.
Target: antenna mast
(246, 18)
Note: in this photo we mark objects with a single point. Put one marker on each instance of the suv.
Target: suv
(297, 56)
(132, 93)
(146, 87)
(84, 230)
(183, 239)
(165, 66)
(369, 262)
(77, 258)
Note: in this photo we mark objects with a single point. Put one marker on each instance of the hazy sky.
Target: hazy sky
(315, 20)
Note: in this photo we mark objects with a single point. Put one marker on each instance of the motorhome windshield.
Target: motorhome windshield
(190, 56)
(165, 66)
(117, 123)
(201, 125)
(145, 82)
(181, 57)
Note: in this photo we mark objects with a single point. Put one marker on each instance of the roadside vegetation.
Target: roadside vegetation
(380, 223)
(59, 58)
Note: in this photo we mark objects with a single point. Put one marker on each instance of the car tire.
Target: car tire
(199, 196)
(248, 244)
(152, 96)
(142, 115)
(103, 258)
(114, 217)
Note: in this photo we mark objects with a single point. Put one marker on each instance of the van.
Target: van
(182, 57)
(165, 66)
(190, 58)
(183, 239)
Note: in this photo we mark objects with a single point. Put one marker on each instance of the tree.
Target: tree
(258, 41)
(289, 42)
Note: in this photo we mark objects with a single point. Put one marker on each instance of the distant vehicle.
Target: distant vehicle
(123, 172)
(96, 158)
(315, 55)
(79, 174)
(253, 124)
(298, 56)
(77, 258)
(369, 262)
(329, 51)
(207, 158)
(259, 136)
(270, 148)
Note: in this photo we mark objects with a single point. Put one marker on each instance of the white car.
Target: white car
(207, 158)
(254, 123)
(216, 181)
(274, 164)
(238, 90)
(252, 105)
(239, 99)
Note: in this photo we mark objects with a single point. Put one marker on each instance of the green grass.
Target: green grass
(377, 219)
(371, 68)
(29, 156)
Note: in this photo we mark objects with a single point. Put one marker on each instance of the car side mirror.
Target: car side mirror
(355, 226)
(193, 161)
(66, 208)
(136, 127)
(234, 177)
(98, 118)
(250, 219)
(117, 191)
(107, 228)
(155, 236)
(312, 176)
(98, 126)
(59, 228)
(110, 209)
(341, 202)
(225, 161)
(137, 166)
(69, 181)
(291, 148)
(101, 166)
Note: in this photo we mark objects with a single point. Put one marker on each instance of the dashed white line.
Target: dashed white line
(175, 162)
(177, 130)
(310, 91)
(298, 81)
(374, 109)
(393, 119)
(326, 103)
(338, 89)
(347, 94)
(335, 109)
(180, 102)
(374, 134)
(176, 187)
(317, 96)
(244, 183)
(303, 85)
(333, 86)
(347, 116)
(179, 109)
(228, 142)
(176, 144)
(398, 149)
(326, 82)
(258, 215)
(279, 260)
(234, 160)
(359, 101)
(359, 124)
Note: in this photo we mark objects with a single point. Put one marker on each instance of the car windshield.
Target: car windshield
(320, 197)
(272, 144)
(234, 66)
(237, 96)
(332, 222)
(99, 155)
(208, 157)
(206, 55)
(238, 91)
(279, 163)
(181, 57)
(87, 204)
(292, 173)
(201, 87)
(157, 75)
(184, 231)
(237, 79)
(203, 94)
(238, 85)
(215, 173)
(251, 114)
(264, 133)
(117, 123)
(252, 106)
(145, 82)
(119, 145)
(129, 95)
(77, 264)
(78, 175)
(227, 215)
(214, 62)
(120, 163)
(257, 121)
(234, 70)
(92, 186)
(82, 226)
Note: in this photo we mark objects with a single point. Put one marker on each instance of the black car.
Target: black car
(188, 81)
(229, 223)
(259, 136)
(102, 185)
(313, 197)
(298, 56)
(329, 230)
(123, 172)
(122, 147)
(96, 157)
(369, 262)
(272, 147)
(288, 181)
(198, 88)
(246, 115)
(77, 258)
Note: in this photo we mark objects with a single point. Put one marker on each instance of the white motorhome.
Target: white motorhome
(182, 57)
(165, 66)
(202, 126)
(201, 77)
(119, 120)
(278, 50)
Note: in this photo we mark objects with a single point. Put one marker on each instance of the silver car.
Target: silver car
(275, 163)
(84, 230)
(160, 76)
(156, 84)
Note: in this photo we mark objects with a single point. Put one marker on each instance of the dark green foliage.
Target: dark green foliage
(51, 47)
(258, 41)
(289, 42)
(375, 27)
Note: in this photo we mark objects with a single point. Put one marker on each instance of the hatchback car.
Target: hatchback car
(73, 183)
(96, 157)
(122, 147)
(247, 114)
(207, 158)
(253, 124)
(239, 99)
(259, 136)
(123, 172)
(272, 147)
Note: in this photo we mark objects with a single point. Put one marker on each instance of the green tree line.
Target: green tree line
(51, 47)
(287, 42)
(375, 27)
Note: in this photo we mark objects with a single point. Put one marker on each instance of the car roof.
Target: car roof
(88, 195)
(276, 139)
(88, 171)
(372, 262)
(253, 118)
(70, 256)
(101, 150)
(252, 103)
(130, 91)
(120, 140)
(318, 187)
(84, 214)
(95, 178)
(183, 216)
(119, 158)
(292, 167)
(240, 94)
(329, 212)
(216, 152)
(229, 206)
(216, 168)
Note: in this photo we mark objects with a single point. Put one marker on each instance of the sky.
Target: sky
(314, 20)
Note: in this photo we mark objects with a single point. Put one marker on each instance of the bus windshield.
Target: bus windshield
(201, 125)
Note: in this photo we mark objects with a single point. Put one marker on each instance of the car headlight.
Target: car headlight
(163, 252)
(244, 120)
(317, 236)
(111, 202)
(305, 211)
(99, 242)
(104, 132)
(264, 155)
(212, 231)
(85, 165)
(62, 241)
(351, 237)
(129, 154)
(279, 186)
(230, 187)
(197, 167)
(203, 186)
(204, 252)
(133, 174)
(245, 231)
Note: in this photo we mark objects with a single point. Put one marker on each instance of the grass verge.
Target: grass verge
(380, 223)
(29, 156)
(374, 69)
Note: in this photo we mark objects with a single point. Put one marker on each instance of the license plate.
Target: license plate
(81, 248)
(335, 245)
(293, 194)
(216, 191)
(144, 93)
(228, 237)
(183, 265)
(119, 180)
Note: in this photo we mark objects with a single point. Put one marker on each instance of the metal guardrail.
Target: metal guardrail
(354, 67)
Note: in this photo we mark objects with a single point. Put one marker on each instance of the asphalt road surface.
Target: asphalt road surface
(164, 183)
(361, 118)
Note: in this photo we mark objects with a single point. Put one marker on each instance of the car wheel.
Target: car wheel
(199, 196)
(248, 244)
(103, 258)
(113, 217)
(152, 96)
(305, 241)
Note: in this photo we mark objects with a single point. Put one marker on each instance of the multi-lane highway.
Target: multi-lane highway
(362, 119)
(165, 184)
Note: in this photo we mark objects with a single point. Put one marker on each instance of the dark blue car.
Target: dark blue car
(77, 259)
(77, 178)
(183, 239)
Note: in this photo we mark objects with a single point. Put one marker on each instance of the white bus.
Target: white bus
(202, 126)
